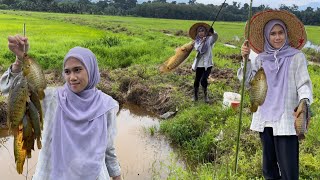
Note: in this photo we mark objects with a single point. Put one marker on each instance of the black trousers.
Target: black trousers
(280, 156)
(202, 76)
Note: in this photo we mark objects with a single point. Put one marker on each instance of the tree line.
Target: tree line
(156, 9)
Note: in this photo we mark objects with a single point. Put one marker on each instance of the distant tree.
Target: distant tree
(157, 9)
(4, 6)
(8, 2)
(131, 3)
(192, 2)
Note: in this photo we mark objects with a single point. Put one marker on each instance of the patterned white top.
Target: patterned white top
(110, 165)
(206, 59)
(299, 87)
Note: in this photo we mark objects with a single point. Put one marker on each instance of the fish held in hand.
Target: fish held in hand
(258, 90)
(34, 73)
(301, 121)
(180, 56)
(17, 100)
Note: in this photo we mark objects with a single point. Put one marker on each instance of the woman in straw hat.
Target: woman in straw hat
(204, 37)
(277, 36)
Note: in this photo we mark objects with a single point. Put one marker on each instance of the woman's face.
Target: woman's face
(201, 32)
(277, 36)
(76, 75)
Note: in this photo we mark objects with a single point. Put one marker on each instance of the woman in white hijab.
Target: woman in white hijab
(79, 121)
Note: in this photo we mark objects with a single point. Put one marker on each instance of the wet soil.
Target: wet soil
(236, 58)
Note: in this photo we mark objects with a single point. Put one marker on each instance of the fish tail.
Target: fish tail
(19, 167)
(253, 108)
(301, 136)
(29, 153)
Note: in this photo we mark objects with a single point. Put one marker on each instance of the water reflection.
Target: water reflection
(141, 155)
(312, 46)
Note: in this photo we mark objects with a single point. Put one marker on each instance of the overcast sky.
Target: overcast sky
(271, 3)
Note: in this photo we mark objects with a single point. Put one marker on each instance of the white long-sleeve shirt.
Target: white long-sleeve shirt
(205, 60)
(110, 165)
(299, 87)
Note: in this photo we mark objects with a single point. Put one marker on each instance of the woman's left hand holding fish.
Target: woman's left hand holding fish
(16, 45)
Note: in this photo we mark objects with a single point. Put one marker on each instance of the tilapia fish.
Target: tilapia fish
(17, 100)
(301, 120)
(174, 61)
(258, 89)
(20, 153)
(35, 122)
(33, 71)
(25, 111)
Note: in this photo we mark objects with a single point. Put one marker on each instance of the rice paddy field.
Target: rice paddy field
(130, 50)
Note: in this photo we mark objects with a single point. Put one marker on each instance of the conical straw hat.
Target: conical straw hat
(296, 32)
(193, 29)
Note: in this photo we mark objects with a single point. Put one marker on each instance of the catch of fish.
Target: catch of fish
(258, 90)
(24, 116)
(174, 61)
(302, 120)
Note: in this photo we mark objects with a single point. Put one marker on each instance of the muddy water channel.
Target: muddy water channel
(141, 155)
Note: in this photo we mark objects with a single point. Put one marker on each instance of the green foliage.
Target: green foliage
(155, 9)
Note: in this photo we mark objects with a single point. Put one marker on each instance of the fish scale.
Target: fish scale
(174, 61)
(35, 76)
(301, 120)
(18, 97)
(258, 89)
(24, 110)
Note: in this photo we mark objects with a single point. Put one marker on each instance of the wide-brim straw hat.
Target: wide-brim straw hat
(296, 32)
(193, 29)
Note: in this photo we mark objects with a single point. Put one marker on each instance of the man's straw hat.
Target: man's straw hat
(193, 29)
(296, 33)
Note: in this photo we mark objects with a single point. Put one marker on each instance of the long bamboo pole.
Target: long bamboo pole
(218, 13)
(242, 93)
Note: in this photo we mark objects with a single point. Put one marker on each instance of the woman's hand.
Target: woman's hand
(203, 39)
(245, 50)
(17, 44)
